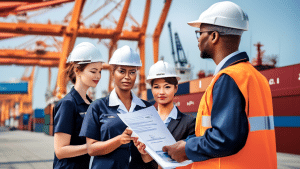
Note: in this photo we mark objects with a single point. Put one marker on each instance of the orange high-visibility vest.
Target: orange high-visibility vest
(260, 148)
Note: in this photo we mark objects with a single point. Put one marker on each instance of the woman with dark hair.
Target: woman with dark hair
(84, 71)
(108, 138)
(164, 85)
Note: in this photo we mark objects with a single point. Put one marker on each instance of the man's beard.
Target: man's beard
(205, 55)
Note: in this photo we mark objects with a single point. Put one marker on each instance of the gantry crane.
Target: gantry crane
(73, 30)
(181, 58)
(182, 67)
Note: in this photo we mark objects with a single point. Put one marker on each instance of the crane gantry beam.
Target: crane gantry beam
(68, 44)
(158, 29)
(116, 37)
(142, 85)
(30, 58)
(24, 54)
(7, 8)
(32, 62)
(60, 30)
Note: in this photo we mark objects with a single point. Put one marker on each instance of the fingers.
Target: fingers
(165, 148)
(128, 131)
(135, 140)
(141, 148)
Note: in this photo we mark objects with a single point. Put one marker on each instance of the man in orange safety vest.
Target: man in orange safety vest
(234, 125)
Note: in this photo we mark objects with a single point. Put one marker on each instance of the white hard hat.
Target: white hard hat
(161, 69)
(226, 14)
(125, 56)
(84, 53)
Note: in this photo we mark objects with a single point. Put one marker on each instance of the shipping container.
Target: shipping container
(39, 113)
(46, 129)
(183, 88)
(38, 127)
(189, 102)
(200, 85)
(47, 119)
(39, 120)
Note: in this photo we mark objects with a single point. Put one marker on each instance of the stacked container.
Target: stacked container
(23, 121)
(38, 120)
(48, 126)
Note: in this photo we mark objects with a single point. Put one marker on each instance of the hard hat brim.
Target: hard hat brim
(126, 64)
(195, 24)
(149, 79)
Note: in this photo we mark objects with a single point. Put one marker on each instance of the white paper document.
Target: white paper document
(151, 130)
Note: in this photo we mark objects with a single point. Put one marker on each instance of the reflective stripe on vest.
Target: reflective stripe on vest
(261, 123)
(256, 123)
(206, 121)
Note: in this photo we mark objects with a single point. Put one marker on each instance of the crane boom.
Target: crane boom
(171, 38)
(180, 52)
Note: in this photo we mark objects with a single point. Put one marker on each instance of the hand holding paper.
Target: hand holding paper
(176, 151)
(125, 137)
(151, 130)
(140, 146)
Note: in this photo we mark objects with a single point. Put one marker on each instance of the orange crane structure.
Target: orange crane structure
(73, 30)
(8, 101)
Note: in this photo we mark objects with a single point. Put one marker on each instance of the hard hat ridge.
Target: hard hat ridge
(226, 14)
(161, 69)
(84, 53)
(125, 56)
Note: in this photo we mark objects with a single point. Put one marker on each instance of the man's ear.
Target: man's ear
(215, 37)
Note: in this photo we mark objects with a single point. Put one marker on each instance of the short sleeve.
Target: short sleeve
(91, 126)
(65, 117)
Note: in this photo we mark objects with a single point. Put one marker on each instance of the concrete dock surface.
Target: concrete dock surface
(31, 150)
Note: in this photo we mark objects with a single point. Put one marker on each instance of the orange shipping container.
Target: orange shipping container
(51, 130)
(200, 85)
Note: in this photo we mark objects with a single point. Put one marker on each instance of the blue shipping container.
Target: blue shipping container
(14, 88)
(183, 88)
(38, 127)
(25, 119)
(39, 113)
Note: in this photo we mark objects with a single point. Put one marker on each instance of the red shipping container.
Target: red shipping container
(279, 78)
(188, 103)
(39, 120)
(286, 106)
(287, 139)
(283, 77)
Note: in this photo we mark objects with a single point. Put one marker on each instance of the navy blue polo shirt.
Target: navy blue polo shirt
(69, 113)
(102, 123)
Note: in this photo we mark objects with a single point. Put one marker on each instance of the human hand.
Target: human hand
(176, 151)
(140, 146)
(125, 137)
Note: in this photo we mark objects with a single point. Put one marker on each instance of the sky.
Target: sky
(274, 23)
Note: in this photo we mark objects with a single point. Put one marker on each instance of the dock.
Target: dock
(35, 150)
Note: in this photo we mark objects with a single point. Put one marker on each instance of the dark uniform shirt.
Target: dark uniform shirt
(180, 126)
(69, 113)
(102, 123)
